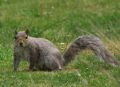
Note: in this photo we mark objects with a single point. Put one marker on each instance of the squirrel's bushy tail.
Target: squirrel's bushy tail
(91, 42)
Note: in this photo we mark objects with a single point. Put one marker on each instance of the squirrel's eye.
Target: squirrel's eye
(26, 37)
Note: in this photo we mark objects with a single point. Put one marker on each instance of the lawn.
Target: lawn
(61, 21)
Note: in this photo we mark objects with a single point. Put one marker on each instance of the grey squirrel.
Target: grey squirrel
(42, 54)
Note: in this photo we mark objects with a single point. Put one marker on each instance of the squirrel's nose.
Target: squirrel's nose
(21, 44)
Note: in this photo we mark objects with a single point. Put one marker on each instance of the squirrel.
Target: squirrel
(42, 54)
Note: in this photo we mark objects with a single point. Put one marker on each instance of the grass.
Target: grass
(61, 21)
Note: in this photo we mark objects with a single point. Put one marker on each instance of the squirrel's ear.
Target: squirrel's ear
(27, 31)
(16, 32)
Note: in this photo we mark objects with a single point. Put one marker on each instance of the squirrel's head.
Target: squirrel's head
(21, 38)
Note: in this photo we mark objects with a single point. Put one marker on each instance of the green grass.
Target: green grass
(61, 21)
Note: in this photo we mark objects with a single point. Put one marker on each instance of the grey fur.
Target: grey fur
(42, 54)
(93, 43)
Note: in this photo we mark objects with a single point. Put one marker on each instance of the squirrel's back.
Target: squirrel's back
(48, 52)
(42, 44)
